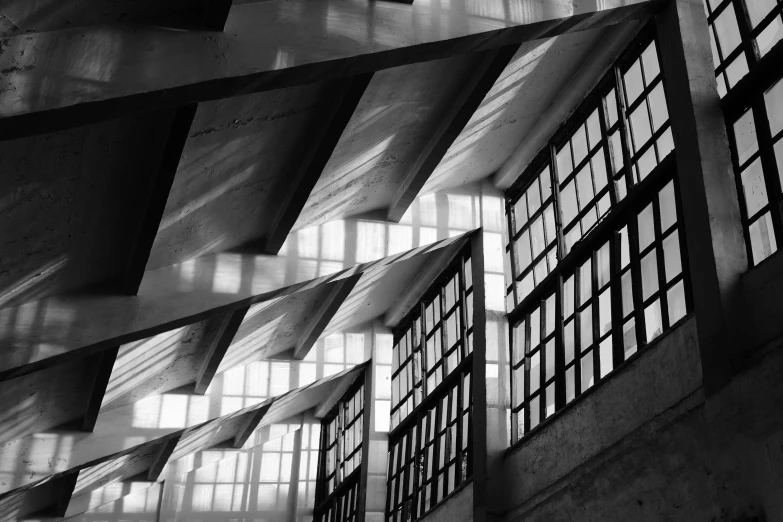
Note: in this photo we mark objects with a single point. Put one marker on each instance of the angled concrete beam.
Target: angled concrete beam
(335, 394)
(412, 295)
(469, 98)
(218, 348)
(347, 96)
(340, 291)
(178, 135)
(272, 45)
(77, 326)
(214, 13)
(65, 488)
(250, 424)
(161, 458)
(105, 364)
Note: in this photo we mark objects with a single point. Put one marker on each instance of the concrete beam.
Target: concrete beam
(491, 66)
(162, 457)
(271, 45)
(65, 488)
(582, 82)
(716, 249)
(248, 427)
(178, 135)
(325, 313)
(349, 93)
(77, 326)
(105, 365)
(413, 294)
(214, 13)
(115, 436)
(218, 348)
(335, 394)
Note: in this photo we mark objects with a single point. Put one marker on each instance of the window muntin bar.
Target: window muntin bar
(340, 458)
(628, 289)
(741, 33)
(613, 142)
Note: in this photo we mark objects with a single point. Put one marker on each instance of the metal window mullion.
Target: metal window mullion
(526, 361)
(768, 164)
(636, 278)
(595, 315)
(623, 129)
(577, 319)
(616, 289)
(553, 176)
(613, 195)
(542, 358)
(560, 394)
(511, 221)
(661, 262)
(748, 44)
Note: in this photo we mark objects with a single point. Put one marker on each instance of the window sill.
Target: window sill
(524, 441)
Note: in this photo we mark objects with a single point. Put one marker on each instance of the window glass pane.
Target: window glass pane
(587, 371)
(585, 281)
(649, 274)
(549, 222)
(633, 82)
(647, 163)
(605, 354)
(624, 253)
(535, 372)
(605, 312)
(779, 157)
(617, 151)
(520, 212)
(769, 36)
(551, 313)
(762, 238)
(665, 144)
(535, 329)
(737, 69)
(584, 183)
(754, 189)
(660, 113)
(599, 170)
(629, 337)
(568, 296)
(549, 371)
(728, 31)
(594, 129)
(773, 99)
(668, 206)
(568, 199)
(758, 9)
(523, 251)
(570, 384)
(627, 286)
(586, 328)
(568, 341)
(745, 136)
(564, 165)
(603, 265)
(676, 301)
(579, 145)
(646, 227)
(652, 320)
(546, 184)
(533, 197)
(535, 412)
(671, 255)
(537, 235)
(611, 108)
(640, 125)
(650, 63)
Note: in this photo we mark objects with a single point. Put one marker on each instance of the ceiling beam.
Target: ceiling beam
(167, 169)
(246, 430)
(217, 349)
(161, 458)
(335, 394)
(491, 66)
(349, 93)
(77, 326)
(65, 487)
(337, 295)
(104, 361)
(214, 13)
(413, 294)
(272, 45)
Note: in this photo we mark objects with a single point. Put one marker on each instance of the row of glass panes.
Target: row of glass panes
(757, 154)
(741, 32)
(342, 507)
(431, 458)
(416, 372)
(606, 311)
(601, 143)
(343, 441)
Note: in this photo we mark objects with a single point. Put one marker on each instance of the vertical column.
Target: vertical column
(479, 423)
(716, 250)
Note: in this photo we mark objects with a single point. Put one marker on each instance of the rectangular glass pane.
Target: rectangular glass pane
(745, 137)
(753, 187)
(671, 256)
(649, 267)
(675, 297)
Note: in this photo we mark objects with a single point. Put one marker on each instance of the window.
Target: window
(743, 36)
(741, 33)
(341, 458)
(615, 279)
(430, 449)
(430, 454)
(623, 129)
(438, 336)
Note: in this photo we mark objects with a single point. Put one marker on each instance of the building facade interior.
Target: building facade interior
(391, 261)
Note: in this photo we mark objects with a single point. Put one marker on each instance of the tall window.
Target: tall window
(429, 444)
(604, 222)
(744, 34)
(741, 33)
(341, 458)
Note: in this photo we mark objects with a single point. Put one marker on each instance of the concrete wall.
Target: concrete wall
(458, 508)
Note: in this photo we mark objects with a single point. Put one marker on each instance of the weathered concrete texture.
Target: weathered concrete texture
(522, 94)
(398, 113)
(71, 203)
(48, 15)
(235, 170)
(46, 399)
(458, 508)
(160, 363)
(665, 374)
(762, 287)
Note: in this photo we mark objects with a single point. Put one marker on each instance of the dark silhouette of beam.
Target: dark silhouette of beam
(481, 81)
(214, 13)
(218, 348)
(105, 363)
(337, 295)
(251, 423)
(65, 487)
(161, 458)
(347, 96)
(178, 135)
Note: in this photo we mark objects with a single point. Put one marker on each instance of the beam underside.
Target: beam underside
(105, 365)
(218, 349)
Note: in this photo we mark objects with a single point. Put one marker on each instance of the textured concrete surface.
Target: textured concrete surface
(234, 171)
(459, 508)
(71, 203)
